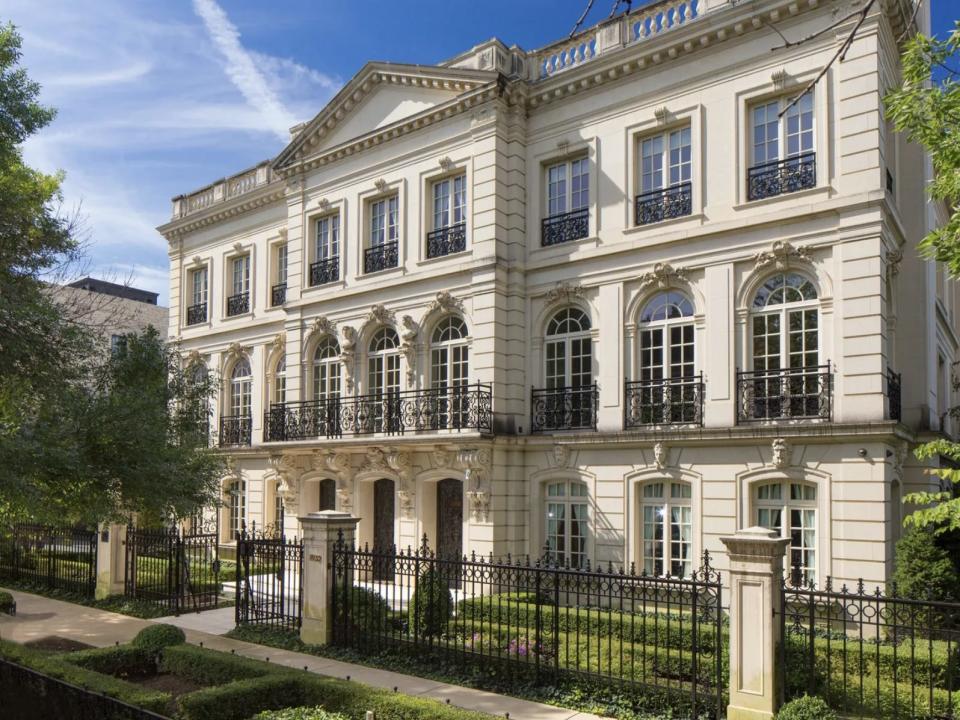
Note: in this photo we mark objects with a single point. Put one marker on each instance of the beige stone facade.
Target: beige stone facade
(685, 308)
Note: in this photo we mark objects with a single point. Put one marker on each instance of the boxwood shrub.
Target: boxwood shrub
(210, 667)
(120, 661)
(7, 603)
(155, 638)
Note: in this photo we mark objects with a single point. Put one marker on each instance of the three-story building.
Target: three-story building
(616, 297)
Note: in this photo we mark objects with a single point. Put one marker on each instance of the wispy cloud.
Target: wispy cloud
(240, 68)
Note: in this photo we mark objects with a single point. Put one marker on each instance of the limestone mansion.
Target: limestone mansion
(618, 297)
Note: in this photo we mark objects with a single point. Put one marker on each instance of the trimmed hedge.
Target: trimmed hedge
(120, 661)
(300, 713)
(155, 638)
(243, 698)
(209, 667)
(56, 667)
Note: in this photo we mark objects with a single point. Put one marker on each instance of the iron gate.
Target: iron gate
(52, 557)
(269, 579)
(176, 570)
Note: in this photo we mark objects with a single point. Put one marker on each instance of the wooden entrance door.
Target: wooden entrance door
(328, 494)
(383, 529)
(450, 527)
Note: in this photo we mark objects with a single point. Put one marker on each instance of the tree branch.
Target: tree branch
(582, 17)
(812, 36)
(906, 30)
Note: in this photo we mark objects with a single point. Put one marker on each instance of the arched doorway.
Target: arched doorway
(383, 513)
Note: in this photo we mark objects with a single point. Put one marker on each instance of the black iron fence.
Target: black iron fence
(664, 401)
(564, 408)
(894, 407)
(538, 621)
(871, 654)
(782, 176)
(804, 393)
(381, 257)
(235, 430)
(50, 557)
(176, 570)
(565, 228)
(447, 241)
(663, 204)
(269, 579)
(325, 271)
(457, 408)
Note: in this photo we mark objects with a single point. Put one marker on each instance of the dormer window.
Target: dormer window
(568, 202)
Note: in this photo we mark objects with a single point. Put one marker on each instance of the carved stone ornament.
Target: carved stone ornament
(323, 326)
(380, 185)
(380, 315)
(323, 204)
(282, 232)
(661, 455)
(779, 78)
(345, 496)
(278, 344)
(563, 147)
(197, 260)
(234, 352)
(375, 460)
(407, 503)
(445, 302)
(446, 164)
(661, 114)
(894, 257)
(564, 291)
(440, 458)
(238, 246)
(780, 255)
(192, 359)
(408, 334)
(781, 452)
(560, 455)
(664, 275)
(897, 461)
(348, 351)
(479, 505)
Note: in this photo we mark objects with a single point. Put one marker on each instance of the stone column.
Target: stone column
(756, 571)
(320, 534)
(111, 560)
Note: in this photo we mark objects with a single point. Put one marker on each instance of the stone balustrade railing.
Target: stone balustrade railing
(223, 190)
(645, 22)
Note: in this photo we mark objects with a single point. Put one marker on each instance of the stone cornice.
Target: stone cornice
(266, 195)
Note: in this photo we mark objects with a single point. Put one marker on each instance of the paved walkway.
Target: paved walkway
(39, 617)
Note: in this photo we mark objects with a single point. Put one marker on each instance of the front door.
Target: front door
(383, 529)
(450, 527)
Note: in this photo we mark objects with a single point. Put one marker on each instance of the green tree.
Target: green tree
(926, 107)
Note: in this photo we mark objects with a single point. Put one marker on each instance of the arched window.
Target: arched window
(383, 380)
(667, 532)
(326, 370)
(236, 492)
(566, 523)
(241, 382)
(450, 372)
(785, 326)
(790, 508)
(569, 401)
(280, 382)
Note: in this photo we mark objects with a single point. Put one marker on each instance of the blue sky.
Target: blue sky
(158, 97)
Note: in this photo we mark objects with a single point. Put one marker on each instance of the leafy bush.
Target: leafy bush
(7, 602)
(120, 661)
(806, 708)
(155, 638)
(431, 606)
(207, 667)
(368, 611)
(927, 563)
(243, 698)
(300, 713)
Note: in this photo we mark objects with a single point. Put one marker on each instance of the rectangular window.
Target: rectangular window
(281, 265)
(199, 286)
(665, 160)
(241, 274)
(328, 238)
(449, 202)
(384, 218)
(567, 202)
(782, 157)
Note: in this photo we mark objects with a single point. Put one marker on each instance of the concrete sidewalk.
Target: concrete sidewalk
(39, 617)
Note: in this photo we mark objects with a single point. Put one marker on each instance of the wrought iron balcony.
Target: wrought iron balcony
(235, 430)
(782, 176)
(381, 257)
(447, 241)
(893, 395)
(325, 271)
(278, 295)
(238, 304)
(465, 407)
(804, 393)
(664, 204)
(665, 401)
(197, 314)
(565, 228)
(564, 408)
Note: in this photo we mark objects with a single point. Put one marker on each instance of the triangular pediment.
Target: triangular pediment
(380, 95)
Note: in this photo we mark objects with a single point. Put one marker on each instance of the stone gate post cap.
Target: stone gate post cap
(751, 540)
(326, 515)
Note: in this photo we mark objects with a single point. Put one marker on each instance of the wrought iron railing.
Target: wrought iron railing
(235, 430)
(464, 407)
(325, 271)
(893, 395)
(381, 257)
(804, 393)
(870, 654)
(536, 621)
(278, 295)
(447, 241)
(664, 204)
(665, 401)
(565, 228)
(50, 557)
(782, 176)
(196, 314)
(564, 408)
(238, 304)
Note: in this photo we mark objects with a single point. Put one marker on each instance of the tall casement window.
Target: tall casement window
(326, 371)
(279, 389)
(787, 380)
(325, 267)
(383, 240)
(383, 380)
(566, 523)
(278, 511)
(278, 291)
(569, 398)
(197, 309)
(667, 533)
(665, 172)
(449, 234)
(567, 202)
(236, 492)
(782, 156)
(241, 384)
(450, 372)
(790, 508)
(667, 389)
(239, 301)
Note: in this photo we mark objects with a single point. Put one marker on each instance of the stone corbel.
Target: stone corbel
(780, 453)
(661, 455)
(476, 474)
(781, 254)
(399, 462)
(664, 275)
(479, 505)
(288, 471)
(446, 302)
(408, 501)
(564, 291)
(380, 315)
